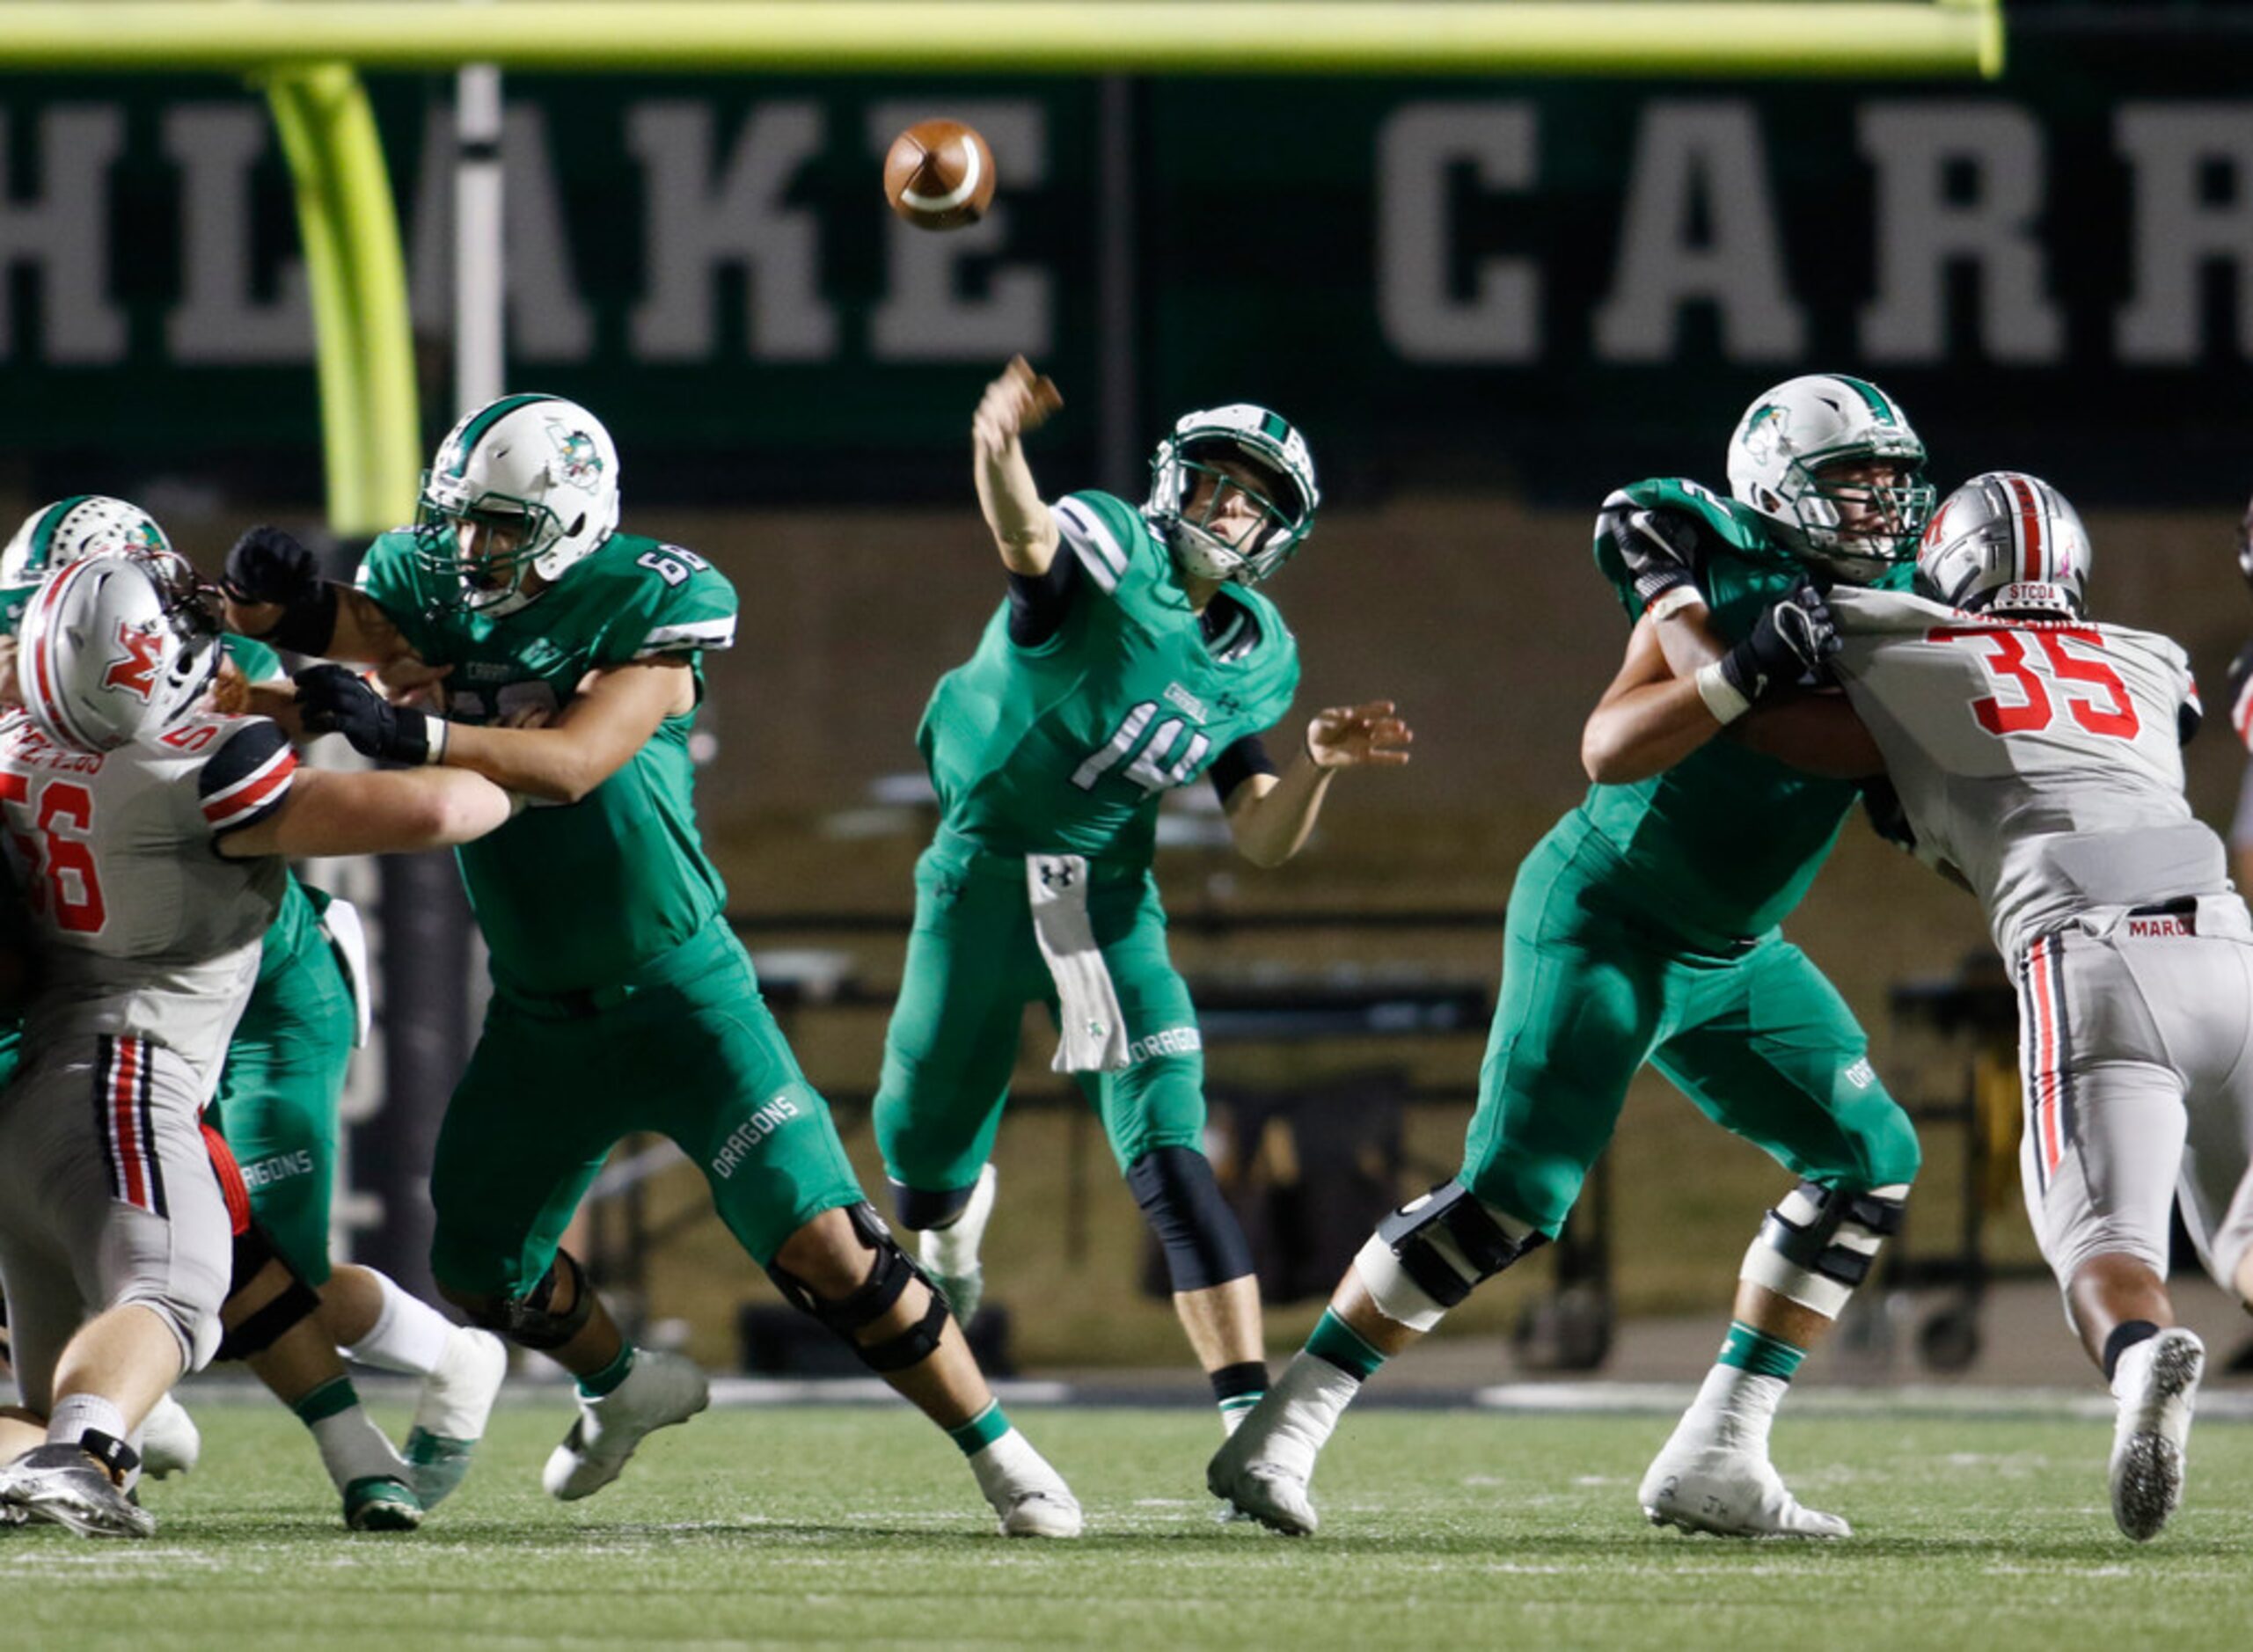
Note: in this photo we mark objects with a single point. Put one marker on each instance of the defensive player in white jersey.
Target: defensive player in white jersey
(146, 834)
(2037, 760)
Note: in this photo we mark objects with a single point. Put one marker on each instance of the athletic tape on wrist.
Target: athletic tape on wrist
(435, 729)
(1722, 697)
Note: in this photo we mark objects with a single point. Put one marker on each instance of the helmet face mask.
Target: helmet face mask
(118, 646)
(1834, 465)
(535, 478)
(2007, 542)
(1213, 464)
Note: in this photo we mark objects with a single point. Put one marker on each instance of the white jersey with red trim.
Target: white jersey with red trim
(2040, 759)
(145, 930)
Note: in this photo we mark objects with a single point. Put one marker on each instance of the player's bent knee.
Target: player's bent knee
(1426, 1256)
(916, 1209)
(533, 1320)
(1817, 1246)
(873, 1299)
(1180, 1198)
(250, 1330)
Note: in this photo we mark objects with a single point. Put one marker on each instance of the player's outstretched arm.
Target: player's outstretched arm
(331, 812)
(275, 594)
(1270, 816)
(1020, 400)
(612, 716)
(1650, 719)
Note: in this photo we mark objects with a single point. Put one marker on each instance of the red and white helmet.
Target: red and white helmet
(2008, 543)
(116, 647)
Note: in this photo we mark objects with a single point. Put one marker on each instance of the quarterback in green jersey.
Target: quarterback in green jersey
(1644, 928)
(276, 1107)
(570, 661)
(1133, 654)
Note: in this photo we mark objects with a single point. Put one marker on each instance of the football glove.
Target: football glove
(332, 699)
(1790, 642)
(1659, 548)
(268, 565)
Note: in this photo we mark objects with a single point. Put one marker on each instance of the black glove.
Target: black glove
(1790, 642)
(1660, 548)
(1887, 818)
(267, 565)
(332, 699)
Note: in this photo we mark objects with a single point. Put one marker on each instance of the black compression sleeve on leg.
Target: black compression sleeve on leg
(1203, 1242)
(2124, 1336)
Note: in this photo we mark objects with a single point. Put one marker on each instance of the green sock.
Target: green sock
(1759, 1353)
(597, 1384)
(1339, 1344)
(319, 1404)
(981, 1431)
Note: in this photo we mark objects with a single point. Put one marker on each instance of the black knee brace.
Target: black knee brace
(263, 1327)
(525, 1320)
(1180, 1199)
(873, 1299)
(919, 1207)
(1421, 1232)
(1817, 1246)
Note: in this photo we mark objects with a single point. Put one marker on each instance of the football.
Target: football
(938, 175)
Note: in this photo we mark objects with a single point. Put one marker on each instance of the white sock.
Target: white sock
(1734, 1409)
(1309, 1399)
(73, 1416)
(949, 1250)
(352, 1448)
(408, 1336)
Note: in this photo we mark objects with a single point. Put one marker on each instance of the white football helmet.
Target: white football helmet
(56, 536)
(2007, 542)
(1265, 440)
(537, 471)
(118, 646)
(1804, 427)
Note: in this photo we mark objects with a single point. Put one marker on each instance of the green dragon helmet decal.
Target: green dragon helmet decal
(56, 536)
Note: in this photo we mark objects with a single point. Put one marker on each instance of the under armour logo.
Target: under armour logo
(136, 669)
(1058, 876)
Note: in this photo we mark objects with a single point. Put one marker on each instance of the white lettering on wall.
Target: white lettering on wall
(1425, 320)
(2177, 234)
(61, 230)
(219, 319)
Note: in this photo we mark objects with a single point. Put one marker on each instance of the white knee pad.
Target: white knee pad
(1818, 1245)
(1426, 1256)
(1398, 1298)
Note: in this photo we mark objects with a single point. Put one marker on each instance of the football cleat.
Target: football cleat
(950, 1254)
(1262, 1470)
(449, 1417)
(1029, 1496)
(2157, 1383)
(660, 1390)
(63, 1484)
(1730, 1493)
(380, 1504)
(170, 1440)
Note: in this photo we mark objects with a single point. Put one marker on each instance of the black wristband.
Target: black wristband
(307, 623)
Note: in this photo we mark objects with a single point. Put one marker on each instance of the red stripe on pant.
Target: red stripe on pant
(125, 1121)
(230, 1180)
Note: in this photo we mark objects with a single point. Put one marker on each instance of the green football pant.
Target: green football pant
(685, 1048)
(972, 968)
(277, 1097)
(1757, 1040)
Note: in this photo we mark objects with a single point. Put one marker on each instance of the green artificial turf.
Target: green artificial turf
(860, 1526)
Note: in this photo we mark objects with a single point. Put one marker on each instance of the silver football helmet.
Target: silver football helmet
(2007, 542)
(56, 536)
(116, 647)
(1275, 448)
(535, 479)
(1784, 460)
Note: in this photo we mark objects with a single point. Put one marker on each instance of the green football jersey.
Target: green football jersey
(1065, 746)
(578, 896)
(1726, 839)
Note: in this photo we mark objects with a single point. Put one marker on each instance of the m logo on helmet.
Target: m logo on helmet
(136, 669)
(577, 460)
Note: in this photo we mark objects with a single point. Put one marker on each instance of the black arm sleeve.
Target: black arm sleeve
(1237, 763)
(1038, 603)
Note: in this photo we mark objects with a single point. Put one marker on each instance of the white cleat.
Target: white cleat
(449, 1417)
(63, 1484)
(660, 1390)
(1262, 1470)
(950, 1254)
(1730, 1493)
(1027, 1495)
(2157, 1382)
(1053, 1513)
(170, 1440)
